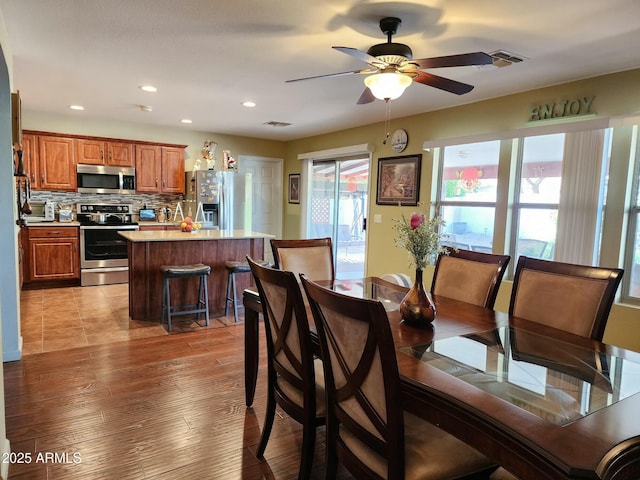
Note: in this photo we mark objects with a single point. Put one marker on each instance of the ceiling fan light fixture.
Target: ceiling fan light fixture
(387, 86)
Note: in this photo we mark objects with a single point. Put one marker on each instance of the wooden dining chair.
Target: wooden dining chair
(574, 298)
(367, 429)
(469, 276)
(295, 380)
(569, 297)
(313, 257)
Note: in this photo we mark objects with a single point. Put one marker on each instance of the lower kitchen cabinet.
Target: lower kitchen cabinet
(52, 254)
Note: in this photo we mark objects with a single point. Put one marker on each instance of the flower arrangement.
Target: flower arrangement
(421, 237)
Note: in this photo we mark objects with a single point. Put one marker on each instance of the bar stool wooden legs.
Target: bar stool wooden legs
(185, 271)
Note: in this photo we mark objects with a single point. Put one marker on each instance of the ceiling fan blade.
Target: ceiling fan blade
(442, 83)
(366, 97)
(340, 74)
(365, 57)
(460, 60)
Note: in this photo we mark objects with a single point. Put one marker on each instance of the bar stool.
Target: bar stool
(233, 267)
(185, 271)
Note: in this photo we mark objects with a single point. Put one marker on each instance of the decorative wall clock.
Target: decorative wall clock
(399, 140)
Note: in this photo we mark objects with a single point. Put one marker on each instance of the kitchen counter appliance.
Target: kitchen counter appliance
(104, 179)
(103, 251)
(41, 211)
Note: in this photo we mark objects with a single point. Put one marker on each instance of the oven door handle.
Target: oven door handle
(109, 227)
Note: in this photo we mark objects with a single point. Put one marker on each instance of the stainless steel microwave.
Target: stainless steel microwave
(105, 179)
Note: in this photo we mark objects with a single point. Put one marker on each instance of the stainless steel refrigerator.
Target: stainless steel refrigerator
(219, 199)
(235, 191)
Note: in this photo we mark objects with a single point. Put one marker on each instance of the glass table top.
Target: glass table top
(557, 381)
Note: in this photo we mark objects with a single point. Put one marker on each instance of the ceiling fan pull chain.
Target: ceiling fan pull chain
(387, 120)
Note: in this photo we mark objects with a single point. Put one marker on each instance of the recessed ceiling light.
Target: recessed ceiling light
(148, 88)
(249, 103)
(186, 120)
(146, 108)
(76, 107)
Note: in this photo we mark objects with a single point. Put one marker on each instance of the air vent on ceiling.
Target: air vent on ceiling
(273, 123)
(502, 58)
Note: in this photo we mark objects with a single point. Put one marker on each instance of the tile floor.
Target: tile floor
(63, 318)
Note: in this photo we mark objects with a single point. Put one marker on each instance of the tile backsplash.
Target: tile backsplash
(138, 201)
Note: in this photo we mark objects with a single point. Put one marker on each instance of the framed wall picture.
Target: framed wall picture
(399, 180)
(294, 188)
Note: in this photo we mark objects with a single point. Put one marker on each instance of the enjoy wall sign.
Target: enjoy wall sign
(575, 107)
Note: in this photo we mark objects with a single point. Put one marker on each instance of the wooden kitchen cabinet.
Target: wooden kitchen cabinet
(159, 169)
(172, 170)
(30, 158)
(52, 254)
(56, 163)
(99, 152)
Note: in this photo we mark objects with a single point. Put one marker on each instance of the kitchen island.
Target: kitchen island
(148, 250)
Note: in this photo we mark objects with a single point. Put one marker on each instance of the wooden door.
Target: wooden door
(56, 162)
(90, 152)
(172, 170)
(30, 158)
(148, 168)
(120, 154)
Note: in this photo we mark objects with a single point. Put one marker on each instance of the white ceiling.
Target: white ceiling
(206, 57)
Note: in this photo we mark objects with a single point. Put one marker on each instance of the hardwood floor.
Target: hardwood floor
(100, 397)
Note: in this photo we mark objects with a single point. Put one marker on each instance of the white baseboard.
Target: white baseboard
(4, 453)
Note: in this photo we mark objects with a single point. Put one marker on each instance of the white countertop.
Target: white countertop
(177, 235)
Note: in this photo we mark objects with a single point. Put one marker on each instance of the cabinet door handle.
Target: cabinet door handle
(42, 178)
(110, 155)
(102, 155)
(54, 232)
(156, 182)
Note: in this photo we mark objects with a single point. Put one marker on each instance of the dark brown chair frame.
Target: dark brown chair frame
(379, 338)
(500, 261)
(612, 276)
(387, 437)
(295, 311)
(276, 244)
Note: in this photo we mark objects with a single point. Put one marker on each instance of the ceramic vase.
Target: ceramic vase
(416, 307)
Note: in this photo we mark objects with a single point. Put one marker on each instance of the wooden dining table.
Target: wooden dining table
(541, 402)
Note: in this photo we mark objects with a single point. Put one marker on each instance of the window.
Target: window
(556, 190)
(538, 196)
(631, 284)
(467, 197)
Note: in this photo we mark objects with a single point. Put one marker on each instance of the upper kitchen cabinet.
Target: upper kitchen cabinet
(172, 170)
(159, 169)
(56, 163)
(100, 152)
(30, 158)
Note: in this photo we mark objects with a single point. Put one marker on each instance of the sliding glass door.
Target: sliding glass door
(337, 207)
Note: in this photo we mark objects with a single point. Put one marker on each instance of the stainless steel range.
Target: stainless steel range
(103, 252)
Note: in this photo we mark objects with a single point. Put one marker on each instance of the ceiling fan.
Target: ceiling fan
(392, 67)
